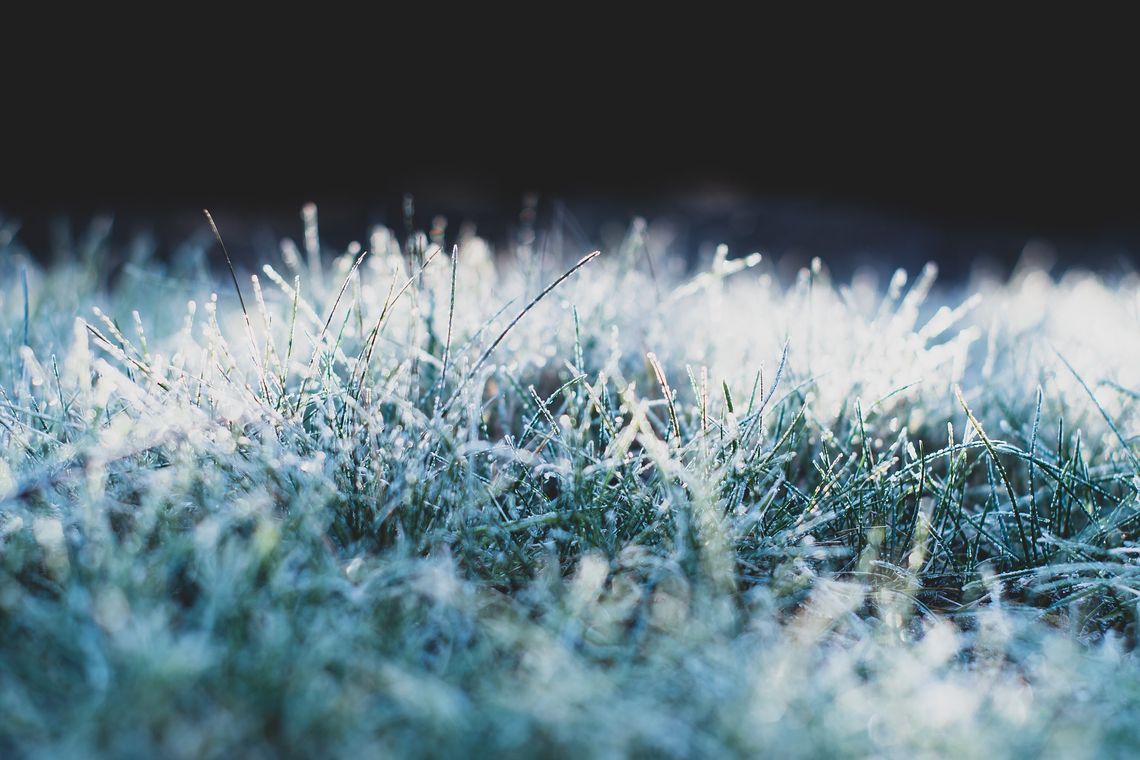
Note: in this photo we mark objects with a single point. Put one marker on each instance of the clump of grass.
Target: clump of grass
(381, 507)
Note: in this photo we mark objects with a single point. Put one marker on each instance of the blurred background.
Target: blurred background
(866, 160)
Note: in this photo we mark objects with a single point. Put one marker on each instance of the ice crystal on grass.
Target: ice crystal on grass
(423, 500)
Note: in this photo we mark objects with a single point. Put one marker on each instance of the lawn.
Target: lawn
(416, 498)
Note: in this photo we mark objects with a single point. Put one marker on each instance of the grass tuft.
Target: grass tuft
(363, 536)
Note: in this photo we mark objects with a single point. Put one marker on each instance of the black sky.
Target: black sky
(1041, 144)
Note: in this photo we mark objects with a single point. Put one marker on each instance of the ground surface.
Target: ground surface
(363, 509)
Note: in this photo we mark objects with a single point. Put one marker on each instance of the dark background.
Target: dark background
(866, 157)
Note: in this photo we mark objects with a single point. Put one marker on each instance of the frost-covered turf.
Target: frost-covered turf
(664, 515)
